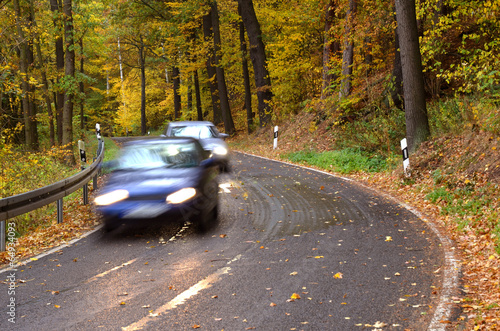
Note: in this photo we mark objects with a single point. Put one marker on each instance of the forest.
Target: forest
(135, 65)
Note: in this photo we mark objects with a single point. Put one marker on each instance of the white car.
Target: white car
(206, 133)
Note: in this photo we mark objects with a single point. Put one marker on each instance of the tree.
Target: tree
(417, 124)
(219, 70)
(348, 54)
(331, 47)
(56, 8)
(69, 80)
(259, 61)
(246, 74)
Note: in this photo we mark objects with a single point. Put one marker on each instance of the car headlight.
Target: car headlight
(111, 197)
(219, 150)
(181, 196)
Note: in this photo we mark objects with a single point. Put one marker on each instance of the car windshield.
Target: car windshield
(197, 132)
(171, 155)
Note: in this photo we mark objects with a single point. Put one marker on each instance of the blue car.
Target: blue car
(161, 180)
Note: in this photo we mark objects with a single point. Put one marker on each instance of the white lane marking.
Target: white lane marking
(53, 250)
(183, 297)
(102, 274)
(225, 187)
(451, 264)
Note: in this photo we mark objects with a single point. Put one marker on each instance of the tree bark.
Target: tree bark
(221, 78)
(56, 8)
(246, 74)
(397, 74)
(259, 61)
(212, 75)
(69, 72)
(348, 55)
(27, 106)
(417, 124)
(45, 86)
(177, 97)
(331, 47)
(197, 93)
(142, 64)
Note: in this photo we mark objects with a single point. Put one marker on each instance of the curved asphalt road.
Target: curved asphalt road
(295, 250)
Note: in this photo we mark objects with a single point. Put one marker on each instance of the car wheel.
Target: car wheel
(208, 220)
(110, 226)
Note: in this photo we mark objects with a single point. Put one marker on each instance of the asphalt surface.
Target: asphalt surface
(294, 249)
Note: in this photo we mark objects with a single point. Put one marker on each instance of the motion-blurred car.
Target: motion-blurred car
(161, 180)
(206, 132)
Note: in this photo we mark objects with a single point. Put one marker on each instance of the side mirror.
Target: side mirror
(223, 135)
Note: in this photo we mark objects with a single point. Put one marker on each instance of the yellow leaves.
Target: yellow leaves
(388, 238)
(319, 257)
(295, 296)
(57, 306)
(338, 275)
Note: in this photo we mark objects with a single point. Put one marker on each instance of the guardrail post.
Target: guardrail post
(85, 194)
(2, 236)
(59, 211)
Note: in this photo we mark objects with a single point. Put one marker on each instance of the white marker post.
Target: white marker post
(406, 158)
(98, 130)
(275, 145)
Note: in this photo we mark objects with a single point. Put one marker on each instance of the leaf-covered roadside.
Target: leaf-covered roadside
(455, 183)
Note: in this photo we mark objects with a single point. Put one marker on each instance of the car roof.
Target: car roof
(162, 140)
(191, 123)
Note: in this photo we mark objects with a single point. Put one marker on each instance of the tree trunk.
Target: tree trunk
(197, 93)
(82, 90)
(69, 72)
(246, 74)
(142, 64)
(27, 106)
(221, 79)
(176, 78)
(212, 75)
(45, 84)
(417, 124)
(56, 8)
(259, 61)
(331, 47)
(348, 55)
(397, 74)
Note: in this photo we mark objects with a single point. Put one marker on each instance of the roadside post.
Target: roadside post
(83, 159)
(406, 158)
(98, 130)
(275, 145)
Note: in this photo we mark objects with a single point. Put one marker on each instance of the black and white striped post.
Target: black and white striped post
(98, 130)
(275, 144)
(406, 158)
(83, 158)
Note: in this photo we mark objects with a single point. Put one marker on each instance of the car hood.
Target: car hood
(210, 143)
(153, 182)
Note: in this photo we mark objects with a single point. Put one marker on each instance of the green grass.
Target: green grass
(345, 161)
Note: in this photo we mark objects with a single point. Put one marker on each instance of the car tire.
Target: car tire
(208, 220)
(110, 226)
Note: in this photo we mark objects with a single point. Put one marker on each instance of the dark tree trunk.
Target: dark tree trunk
(212, 75)
(176, 78)
(397, 74)
(45, 84)
(348, 55)
(197, 93)
(24, 63)
(246, 74)
(221, 79)
(259, 61)
(331, 48)
(56, 8)
(82, 90)
(69, 71)
(417, 124)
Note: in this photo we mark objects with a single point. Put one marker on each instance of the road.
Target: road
(295, 249)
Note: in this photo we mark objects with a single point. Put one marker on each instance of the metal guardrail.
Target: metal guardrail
(22, 203)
